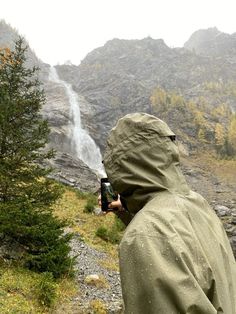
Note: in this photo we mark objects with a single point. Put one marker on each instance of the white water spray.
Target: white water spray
(83, 144)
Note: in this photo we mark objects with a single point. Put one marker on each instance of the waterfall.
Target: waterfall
(81, 141)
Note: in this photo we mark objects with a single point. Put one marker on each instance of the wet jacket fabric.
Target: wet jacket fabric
(175, 257)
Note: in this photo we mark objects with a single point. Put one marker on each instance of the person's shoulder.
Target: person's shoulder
(153, 219)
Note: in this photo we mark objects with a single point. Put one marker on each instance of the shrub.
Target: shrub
(91, 203)
(103, 233)
(81, 195)
(119, 225)
(112, 235)
(47, 289)
(98, 307)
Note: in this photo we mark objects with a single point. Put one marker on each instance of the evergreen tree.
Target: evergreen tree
(26, 194)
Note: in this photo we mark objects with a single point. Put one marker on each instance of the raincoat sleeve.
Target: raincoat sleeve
(157, 278)
(124, 216)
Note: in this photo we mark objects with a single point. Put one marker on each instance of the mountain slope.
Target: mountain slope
(212, 42)
(123, 75)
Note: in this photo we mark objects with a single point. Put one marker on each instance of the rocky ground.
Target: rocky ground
(99, 290)
(96, 282)
(218, 188)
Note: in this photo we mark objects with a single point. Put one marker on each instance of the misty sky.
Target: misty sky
(62, 30)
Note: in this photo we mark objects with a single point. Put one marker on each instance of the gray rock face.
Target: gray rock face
(56, 111)
(212, 42)
(119, 78)
(62, 110)
(72, 171)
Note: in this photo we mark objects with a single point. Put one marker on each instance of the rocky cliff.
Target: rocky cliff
(212, 42)
(120, 77)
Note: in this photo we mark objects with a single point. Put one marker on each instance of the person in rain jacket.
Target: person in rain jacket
(175, 256)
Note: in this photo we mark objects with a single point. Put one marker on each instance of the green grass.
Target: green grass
(72, 207)
(23, 291)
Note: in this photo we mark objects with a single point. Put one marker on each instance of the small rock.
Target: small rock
(220, 191)
(222, 210)
(229, 229)
(233, 221)
(234, 212)
(92, 277)
(97, 211)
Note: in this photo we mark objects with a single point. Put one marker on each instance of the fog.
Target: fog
(63, 30)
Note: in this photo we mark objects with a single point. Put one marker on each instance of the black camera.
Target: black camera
(107, 194)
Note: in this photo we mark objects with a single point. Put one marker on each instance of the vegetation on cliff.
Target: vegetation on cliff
(198, 123)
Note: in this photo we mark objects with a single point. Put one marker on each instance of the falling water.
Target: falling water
(84, 145)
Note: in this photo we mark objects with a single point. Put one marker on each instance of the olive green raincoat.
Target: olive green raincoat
(175, 256)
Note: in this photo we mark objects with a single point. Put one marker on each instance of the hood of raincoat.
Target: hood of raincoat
(141, 159)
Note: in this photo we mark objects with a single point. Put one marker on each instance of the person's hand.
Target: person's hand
(113, 205)
(119, 210)
(99, 200)
(116, 205)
